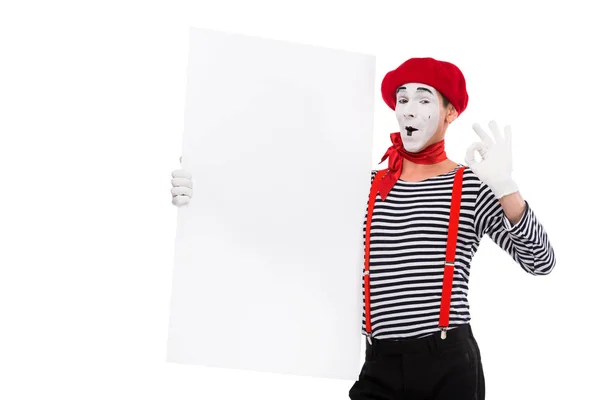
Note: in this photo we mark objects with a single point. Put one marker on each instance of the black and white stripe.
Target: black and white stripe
(408, 249)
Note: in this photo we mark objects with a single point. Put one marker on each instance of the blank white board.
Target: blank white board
(269, 252)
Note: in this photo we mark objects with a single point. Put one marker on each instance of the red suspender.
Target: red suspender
(372, 197)
(450, 251)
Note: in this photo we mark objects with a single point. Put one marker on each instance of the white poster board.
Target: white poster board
(269, 252)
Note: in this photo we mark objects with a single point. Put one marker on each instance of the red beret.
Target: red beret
(445, 77)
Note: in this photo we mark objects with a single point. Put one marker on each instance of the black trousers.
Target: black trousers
(428, 368)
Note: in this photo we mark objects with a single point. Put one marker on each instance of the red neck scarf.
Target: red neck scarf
(432, 154)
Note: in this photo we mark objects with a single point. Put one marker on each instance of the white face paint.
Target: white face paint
(418, 114)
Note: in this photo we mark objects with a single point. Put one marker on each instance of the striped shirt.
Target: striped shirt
(409, 231)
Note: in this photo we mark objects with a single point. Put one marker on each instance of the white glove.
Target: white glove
(495, 167)
(182, 187)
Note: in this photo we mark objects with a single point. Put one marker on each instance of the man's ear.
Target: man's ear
(452, 114)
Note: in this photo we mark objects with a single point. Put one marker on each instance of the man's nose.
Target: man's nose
(410, 111)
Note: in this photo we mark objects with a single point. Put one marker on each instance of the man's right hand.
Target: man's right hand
(182, 187)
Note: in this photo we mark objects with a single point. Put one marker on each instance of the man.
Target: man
(425, 219)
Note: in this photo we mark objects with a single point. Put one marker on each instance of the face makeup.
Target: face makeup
(418, 114)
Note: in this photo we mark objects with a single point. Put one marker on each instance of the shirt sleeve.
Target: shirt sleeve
(526, 241)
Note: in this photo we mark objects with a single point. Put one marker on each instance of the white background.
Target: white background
(91, 115)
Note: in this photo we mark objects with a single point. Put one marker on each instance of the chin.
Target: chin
(413, 149)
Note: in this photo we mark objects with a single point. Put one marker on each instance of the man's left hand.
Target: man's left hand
(495, 167)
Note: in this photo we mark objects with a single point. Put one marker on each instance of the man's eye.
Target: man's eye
(402, 101)
(425, 101)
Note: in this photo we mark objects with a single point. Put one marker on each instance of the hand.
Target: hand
(182, 187)
(495, 167)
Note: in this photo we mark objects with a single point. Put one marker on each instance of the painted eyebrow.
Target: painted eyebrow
(419, 89)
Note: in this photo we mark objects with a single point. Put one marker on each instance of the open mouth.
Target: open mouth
(410, 130)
